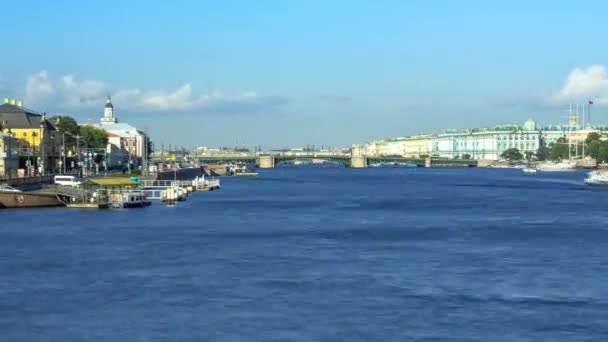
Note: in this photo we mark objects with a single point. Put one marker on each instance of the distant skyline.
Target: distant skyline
(297, 73)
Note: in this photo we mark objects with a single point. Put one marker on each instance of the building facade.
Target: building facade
(481, 143)
(39, 142)
(418, 146)
(9, 155)
(487, 143)
(127, 145)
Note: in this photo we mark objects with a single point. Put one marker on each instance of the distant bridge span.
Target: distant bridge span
(269, 160)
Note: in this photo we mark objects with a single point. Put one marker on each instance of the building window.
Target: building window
(25, 134)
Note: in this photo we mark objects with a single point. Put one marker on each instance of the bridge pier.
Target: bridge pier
(358, 162)
(266, 162)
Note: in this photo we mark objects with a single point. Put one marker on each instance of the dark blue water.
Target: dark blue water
(319, 255)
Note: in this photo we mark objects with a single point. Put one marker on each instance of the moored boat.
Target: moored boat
(597, 177)
(128, 199)
(15, 198)
(242, 170)
(556, 167)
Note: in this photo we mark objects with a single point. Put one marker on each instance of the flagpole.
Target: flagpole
(589, 103)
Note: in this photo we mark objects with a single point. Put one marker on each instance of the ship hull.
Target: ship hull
(28, 200)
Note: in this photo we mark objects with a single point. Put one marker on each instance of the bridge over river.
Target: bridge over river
(270, 160)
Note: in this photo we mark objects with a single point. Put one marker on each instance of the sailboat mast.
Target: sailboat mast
(576, 128)
(584, 127)
(570, 133)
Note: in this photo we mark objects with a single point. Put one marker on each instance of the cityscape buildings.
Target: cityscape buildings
(127, 144)
(479, 143)
(38, 140)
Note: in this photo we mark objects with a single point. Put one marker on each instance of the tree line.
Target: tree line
(86, 136)
(593, 145)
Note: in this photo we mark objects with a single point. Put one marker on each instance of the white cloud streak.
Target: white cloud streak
(582, 84)
(71, 92)
(39, 86)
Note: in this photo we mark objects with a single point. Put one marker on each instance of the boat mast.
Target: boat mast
(584, 127)
(575, 128)
(570, 133)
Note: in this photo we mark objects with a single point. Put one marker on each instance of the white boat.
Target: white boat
(128, 199)
(598, 177)
(173, 194)
(529, 170)
(556, 167)
(242, 170)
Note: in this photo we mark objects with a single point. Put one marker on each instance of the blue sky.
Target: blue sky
(292, 73)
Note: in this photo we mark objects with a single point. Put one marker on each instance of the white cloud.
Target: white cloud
(70, 92)
(75, 92)
(39, 86)
(179, 99)
(582, 84)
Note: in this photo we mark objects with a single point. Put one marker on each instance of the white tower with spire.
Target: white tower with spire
(108, 112)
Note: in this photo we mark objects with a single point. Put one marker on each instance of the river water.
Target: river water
(302, 254)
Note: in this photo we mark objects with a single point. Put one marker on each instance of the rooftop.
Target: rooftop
(112, 181)
(13, 116)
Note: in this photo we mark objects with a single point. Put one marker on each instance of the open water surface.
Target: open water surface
(301, 254)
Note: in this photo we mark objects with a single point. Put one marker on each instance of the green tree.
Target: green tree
(559, 150)
(69, 126)
(593, 136)
(466, 156)
(93, 137)
(602, 152)
(529, 155)
(593, 148)
(542, 153)
(512, 154)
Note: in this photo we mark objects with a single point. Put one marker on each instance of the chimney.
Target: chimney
(6, 100)
(13, 102)
(20, 103)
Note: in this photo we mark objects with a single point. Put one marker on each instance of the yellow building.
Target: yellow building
(417, 146)
(38, 139)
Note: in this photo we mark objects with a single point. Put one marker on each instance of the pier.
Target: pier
(27, 181)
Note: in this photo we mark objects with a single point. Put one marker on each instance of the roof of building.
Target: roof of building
(112, 135)
(119, 128)
(112, 181)
(109, 105)
(13, 116)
